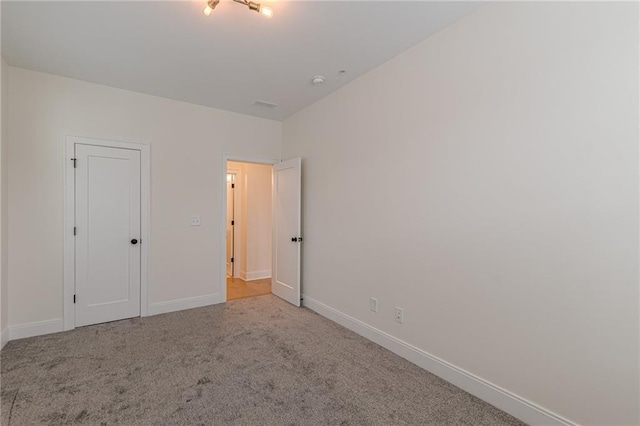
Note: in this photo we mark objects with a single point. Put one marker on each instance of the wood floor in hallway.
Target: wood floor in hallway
(239, 289)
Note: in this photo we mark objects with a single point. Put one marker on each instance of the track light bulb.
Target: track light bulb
(252, 5)
(208, 9)
(266, 11)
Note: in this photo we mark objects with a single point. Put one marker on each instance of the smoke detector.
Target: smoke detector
(318, 80)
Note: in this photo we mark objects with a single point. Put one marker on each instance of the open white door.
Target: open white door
(285, 281)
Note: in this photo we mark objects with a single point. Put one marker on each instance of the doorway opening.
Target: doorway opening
(249, 226)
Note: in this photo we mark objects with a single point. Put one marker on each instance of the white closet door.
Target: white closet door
(107, 202)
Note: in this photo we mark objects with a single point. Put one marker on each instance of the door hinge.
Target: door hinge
(232, 260)
(75, 231)
(74, 298)
(233, 185)
(233, 222)
(75, 162)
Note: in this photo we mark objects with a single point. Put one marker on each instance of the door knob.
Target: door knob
(294, 239)
(134, 241)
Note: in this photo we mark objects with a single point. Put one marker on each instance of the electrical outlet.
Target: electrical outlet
(400, 315)
(195, 221)
(373, 304)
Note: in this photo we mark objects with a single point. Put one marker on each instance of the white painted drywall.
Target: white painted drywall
(269, 59)
(4, 222)
(486, 181)
(257, 192)
(254, 219)
(187, 145)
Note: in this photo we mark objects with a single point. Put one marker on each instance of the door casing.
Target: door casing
(231, 263)
(69, 220)
(237, 211)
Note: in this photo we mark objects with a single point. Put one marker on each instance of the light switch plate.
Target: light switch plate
(373, 304)
(195, 221)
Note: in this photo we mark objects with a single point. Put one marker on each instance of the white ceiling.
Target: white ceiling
(228, 60)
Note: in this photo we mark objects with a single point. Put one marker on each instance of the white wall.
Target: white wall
(187, 145)
(4, 222)
(486, 181)
(254, 220)
(257, 192)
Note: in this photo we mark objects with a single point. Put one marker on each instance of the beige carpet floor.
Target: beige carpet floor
(255, 361)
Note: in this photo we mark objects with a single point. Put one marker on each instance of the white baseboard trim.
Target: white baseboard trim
(32, 329)
(182, 304)
(4, 337)
(39, 328)
(257, 275)
(515, 405)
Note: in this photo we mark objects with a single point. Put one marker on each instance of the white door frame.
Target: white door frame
(223, 207)
(69, 221)
(237, 212)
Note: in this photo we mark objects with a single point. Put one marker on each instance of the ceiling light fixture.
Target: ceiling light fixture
(208, 8)
(265, 10)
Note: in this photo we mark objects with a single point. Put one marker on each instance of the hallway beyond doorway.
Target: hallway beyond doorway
(239, 289)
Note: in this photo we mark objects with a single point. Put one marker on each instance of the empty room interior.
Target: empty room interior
(284, 212)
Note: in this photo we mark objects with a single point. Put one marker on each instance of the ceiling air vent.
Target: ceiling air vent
(265, 104)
